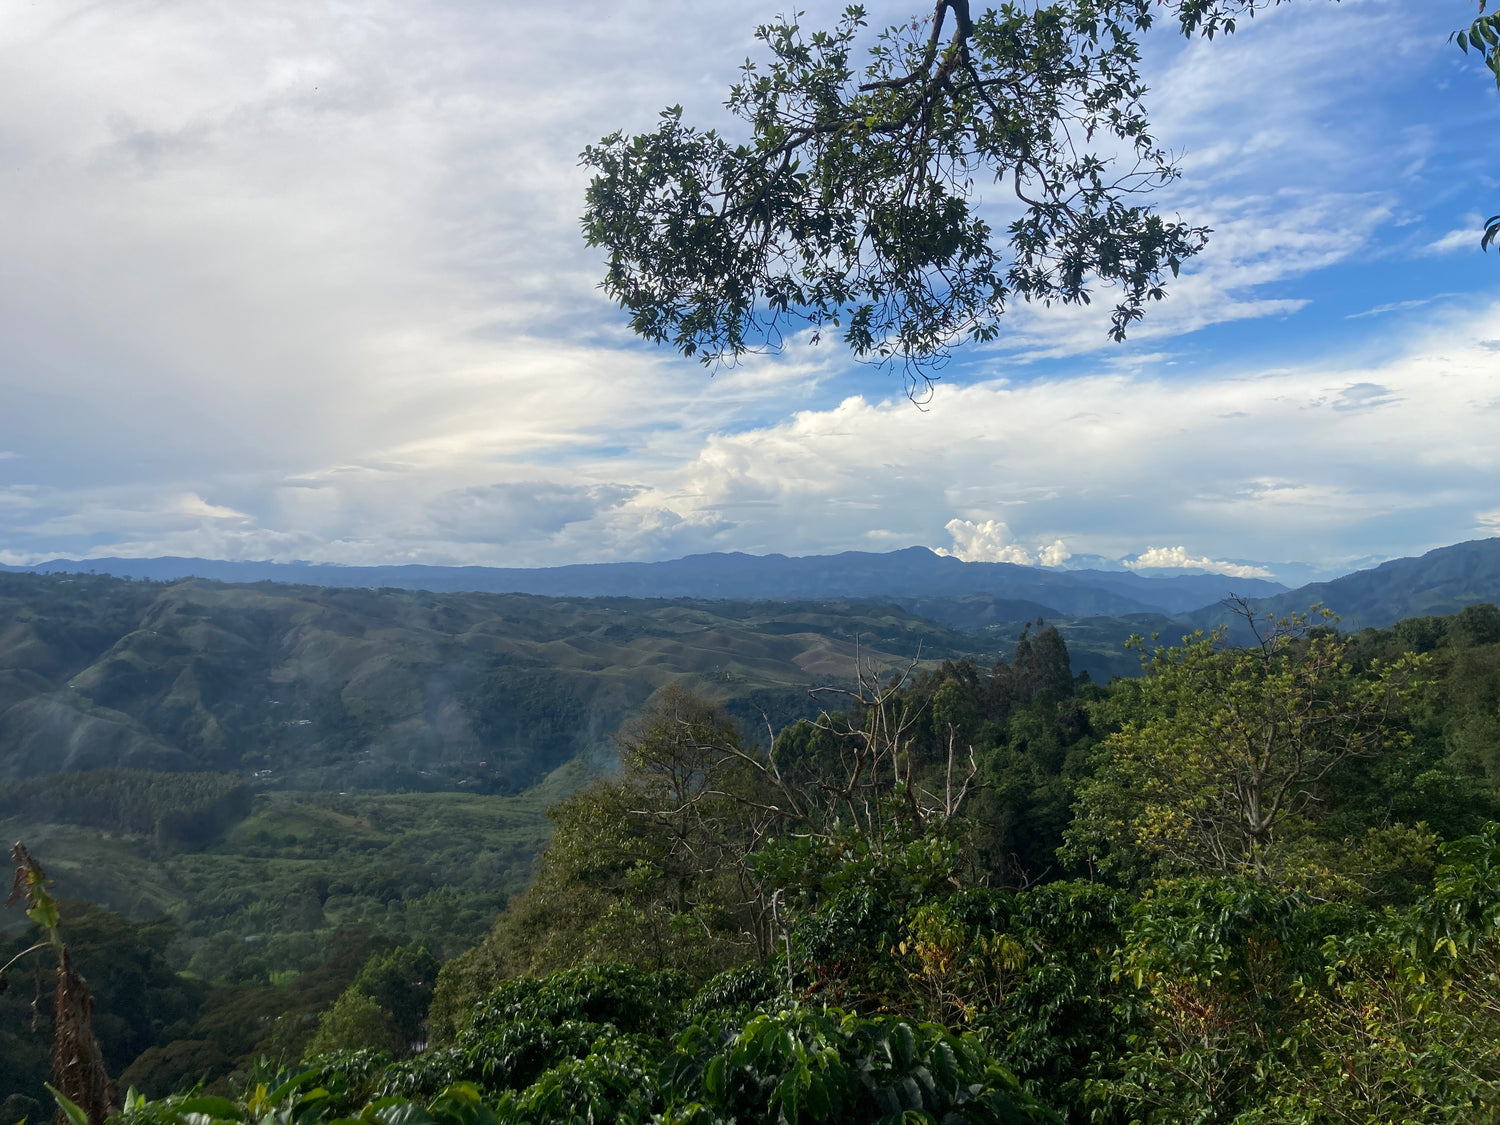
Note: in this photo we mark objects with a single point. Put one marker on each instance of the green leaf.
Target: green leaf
(70, 1108)
(287, 1088)
(713, 1078)
(44, 913)
(221, 1108)
(407, 1113)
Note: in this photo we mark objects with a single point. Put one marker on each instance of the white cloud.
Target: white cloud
(1054, 554)
(1257, 465)
(1155, 558)
(1465, 238)
(192, 505)
(522, 509)
(1258, 242)
(1113, 464)
(1397, 306)
(1364, 396)
(990, 541)
(18, 497)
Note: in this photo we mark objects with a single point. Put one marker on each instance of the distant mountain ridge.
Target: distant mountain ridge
(941, 588)
(1440, 582)
(913, 573)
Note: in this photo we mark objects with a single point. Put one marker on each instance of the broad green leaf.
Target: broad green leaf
(221, 1108)
(44, 913)
(407, 1113)
(71, 1109)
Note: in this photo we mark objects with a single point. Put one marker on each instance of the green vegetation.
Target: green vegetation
(1252, 885)
(248, 939)
(419, 867)
(171, 808)
(311, 688)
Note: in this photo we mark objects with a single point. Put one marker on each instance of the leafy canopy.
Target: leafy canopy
(1229, 756)
(865, 195)
(856, 203)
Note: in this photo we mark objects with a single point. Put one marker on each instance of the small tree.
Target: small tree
(1225, 754)
(355, 1022)
(80, 1079)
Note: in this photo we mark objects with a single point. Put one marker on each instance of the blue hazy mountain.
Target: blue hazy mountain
(913, 573)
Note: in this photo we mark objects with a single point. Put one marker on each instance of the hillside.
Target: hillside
(320, 686)
(1440, 582)
(315, 687)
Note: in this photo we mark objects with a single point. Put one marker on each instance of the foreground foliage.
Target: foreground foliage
(1216, 999)
(609, 1044)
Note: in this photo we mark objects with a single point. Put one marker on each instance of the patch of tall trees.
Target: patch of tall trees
(172, 808)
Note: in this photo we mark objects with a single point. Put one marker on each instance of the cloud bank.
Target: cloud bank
(1156, 558)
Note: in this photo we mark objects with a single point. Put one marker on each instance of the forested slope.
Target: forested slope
(385, 689)
(1442, 581)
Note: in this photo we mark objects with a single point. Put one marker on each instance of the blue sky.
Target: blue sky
(303, 281)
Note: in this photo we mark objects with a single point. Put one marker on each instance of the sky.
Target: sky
(304, 281)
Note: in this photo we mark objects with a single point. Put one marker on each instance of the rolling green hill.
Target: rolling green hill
(383, 689)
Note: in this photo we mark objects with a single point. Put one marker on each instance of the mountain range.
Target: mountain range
(1440, 582)
(915, 572)
(943, 588)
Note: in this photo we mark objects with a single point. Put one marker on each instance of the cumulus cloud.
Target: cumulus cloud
(1179, 558)
(990, 541)
(1105, 462)
(1054, 554)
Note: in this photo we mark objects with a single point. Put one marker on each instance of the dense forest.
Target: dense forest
(1255, 883)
